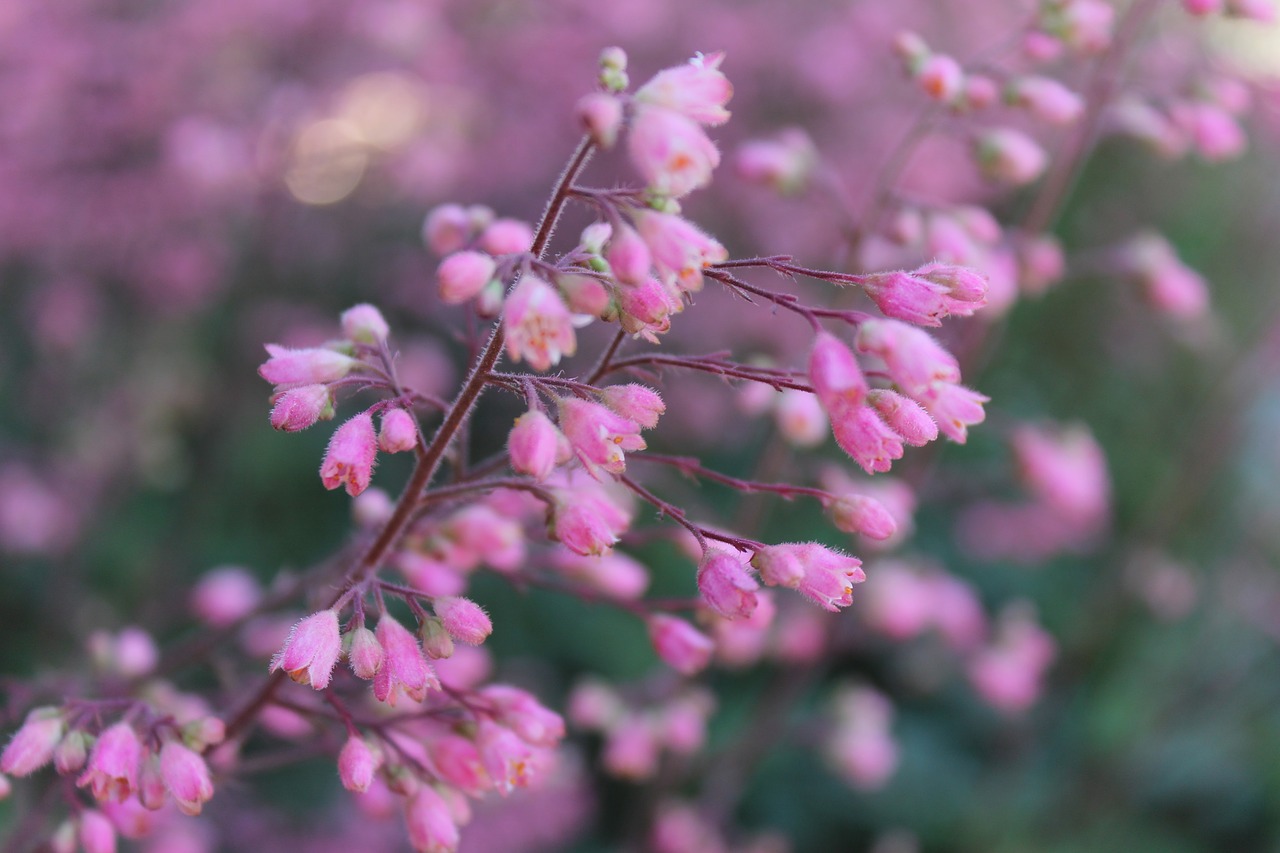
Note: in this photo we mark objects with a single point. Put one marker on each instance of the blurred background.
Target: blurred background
(183, 181)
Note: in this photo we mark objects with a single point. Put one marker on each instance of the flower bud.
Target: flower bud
(446, 229)
(224, 595)
(1009, 156)
(312, 650)
(357, 763)
(364, 324)
(635, 403)
(365, 653)
(72, 752)
(186, 776)
(533, 445)
(463, 275)
(863, 514)
(289, 368)
(33, 745)
(680, 645)
(437, 643)
(112, 771)
(96, 833)
(299, 408)
(350, 457)
(726, 585)
(600, 116)
(398, 433)
(507, 237)
(904, 416)
(465, 620)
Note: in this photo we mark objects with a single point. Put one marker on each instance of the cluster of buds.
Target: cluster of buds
(637, 733)
(1204, 119)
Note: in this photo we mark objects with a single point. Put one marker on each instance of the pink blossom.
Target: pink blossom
(33, 745)
(430, 824)
(1065, 468)
(681, 646)
(1009, 673)
(586, 523)
(507, 759)
(357, 763)
(628, 255)
(507, 237)
(71, 753)
(399, 431)
(631, 750)
(1213, 131)
(904, 416)
(929, 294)
(465, 620)
(447, 228)
(539, 326)
(866, 438)
(462, 275)
(599, 436)
(1009, 156)
(186, 776)
(521, 712)
(312, 650)
(822, 574)
(836, 377)
(614, 574)
(784, 164)
(941, 78)
(955, 408)
(300, 407)
(365, 654)
(289, 368)
(350, 457)
(457, 761)
(532, 445)
(862, 514)
(96, 833)
(914, 359)
(112, 771)
(364, 324)
(646, 308)
(800, 417)
(601, 117)
(635, 402)
(678, 247)
(1046, 99)
(671, 152)
(697, 90)
(404, 670)
(225, 595)
(726, 585)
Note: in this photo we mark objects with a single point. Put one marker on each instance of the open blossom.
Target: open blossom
(636, 402)
(823, 574)
(599, 436)
(299, 408)
(671, 152)
(289, 368)
(112, 771)
(404, 670)
(726, 584)
(312, 650)
(33, 744)
(186, 776)
(351, 454)
(678, 247)
(539, 326)
(697, 90)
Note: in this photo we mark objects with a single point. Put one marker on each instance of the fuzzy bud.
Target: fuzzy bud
(364, 324)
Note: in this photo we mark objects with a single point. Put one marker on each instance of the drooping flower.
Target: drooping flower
(312, 650)
(680, 645)
(186, 776)
(289, 368)
(112, 771)
(33, 745)
(672, 153)
(404, 670)
(357, 762)
(533, 445)
(300, 407)
(539, 326)
(697, 90)
(726, 584)
(351, 454)
(599, 436)
(823, 574)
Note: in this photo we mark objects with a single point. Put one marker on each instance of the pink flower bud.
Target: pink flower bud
(133, 653)
(533, 445)
(507, 759)
(955, 408)
(539, 326)
(436, 642)
(635, 402)
(824, 575)
(914, 359)
(800, 417)
(1213, 131)
(404, 670)
(152, 792)
(97, 835)
(521, 712)
(941, 78)
(299, 408)
(365, 653)
(980, 92)
(225, 595)
(670, 151)
(311, 651)
(784, 164)
(71, 753)
(186, 776)
(431, 827)
(904, 416)
(465, 620)
(927, 295)
(697, 90)
(446, 229)
(364, 324)
(632, 749)
(836, 377)
(866, 438)
(33, 745)
(357, 763)
(678, 247)
(726, 585)
(458, 762)
(594, 705)
(863, 514)
(1046, 99)
(351, 454)
(599, 436)
(463, 275)
(398, 433)
(646, 309)
(628, 256)
(293, 367)
(600, 116)
(680, 645)
(1009, 156)
(372, 508)
(112, 772)
(507, 237)
(584, 295)
(586, 524)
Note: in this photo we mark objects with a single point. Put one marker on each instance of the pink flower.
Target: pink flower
(312, 650)
(351, 454)
(112, 772)
(866, 438)
(300, 407)
(533, 445)
(941, 78)
(33, 744)
(458, 763)
(96, 833)
(914, 359)
(430, 823)
(1064, 468)
(836, 377)
(365, 654)
(679, 247)
(726, 585)
(1009, 156)
(823, 574)
(635, 402)
(600, 116)
(539, 326)
(680, 645)
(507, 237)
(671, 152)
(225, 595)
(926, 296)
(357, 763)
(862, 514)
(465, 620)
(507, 759)
(631, 750)
(462, 275)
(628, 255)
(447, 228)
(289, 368)
(955, 408)
(800, 417)
(521, 712)
(904, 416)
(399, 431)
(364, 324)
(186, 776)
(586, 522)
(1046, 99)
(404, 669)
(784, 164)
(647, 308)
(697, 90)
(599, 436)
